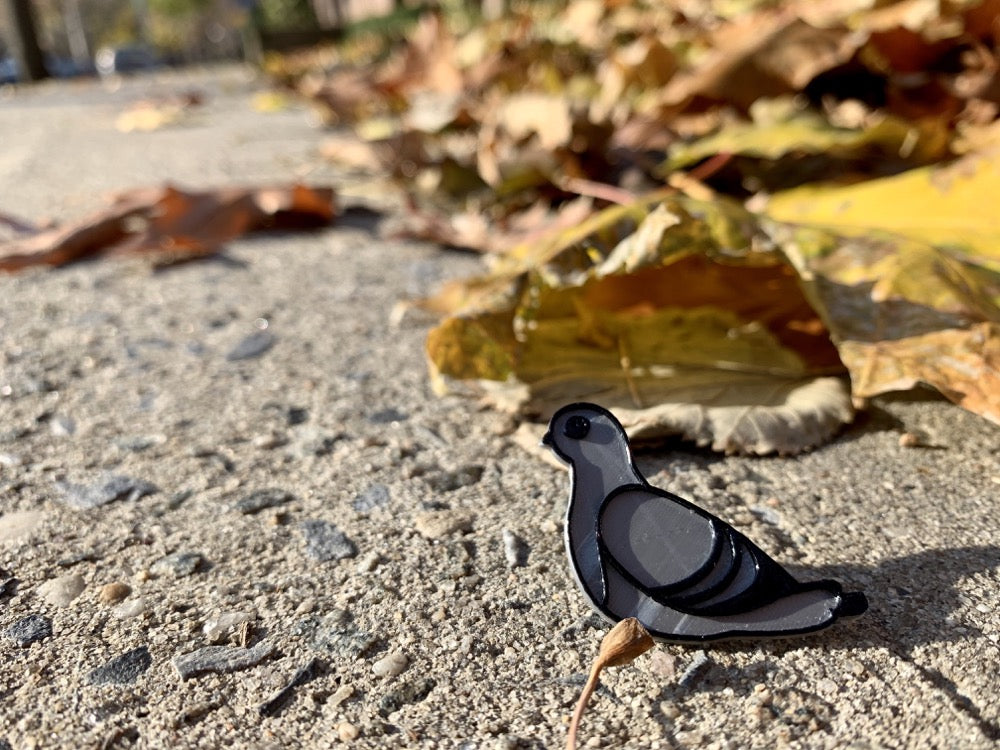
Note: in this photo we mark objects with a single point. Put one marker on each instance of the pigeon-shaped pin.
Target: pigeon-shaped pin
(638, 551)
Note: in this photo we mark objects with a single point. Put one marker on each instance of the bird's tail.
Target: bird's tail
(852, 604)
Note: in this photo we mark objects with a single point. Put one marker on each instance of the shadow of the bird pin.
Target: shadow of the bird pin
(914, 601)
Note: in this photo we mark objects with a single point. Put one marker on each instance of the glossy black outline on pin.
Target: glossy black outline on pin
(851, 603)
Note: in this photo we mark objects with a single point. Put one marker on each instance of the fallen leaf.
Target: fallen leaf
(701, 319)
(270, 101)
(545, 116)
(943, 205)
(172, 221)
(763, 55)
(795, 130)
(351, 152)
(904, 312)
(682, 323)
(472, 230)
(494, 117)
(962, 364)
(147, 115)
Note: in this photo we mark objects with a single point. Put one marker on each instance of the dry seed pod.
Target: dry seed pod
(623, 643)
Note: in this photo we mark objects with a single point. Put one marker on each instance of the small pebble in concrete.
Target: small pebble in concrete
(62, 425)
(29, 629)
(699, 663)
(662, 664)
(437, 524)
(296, 415)
(314, 441)
(281, 698)
(221, 659)
(252, 346)
(411, 692)
(8, 585)
(915, 439)
(10, 460)
(195, 712)
(224, 624)
(335, 634)
(261, 499)
(369, 562)
(76, 559)
(104, 491)
(179, 564)
(388, 416)
(827, 687)
(112, 593)
(390, 665)
(270, 440)
(139, 443)
(19, 524)
(325, 542)
(766, 514)
(342, 694)
(123, 669)
(515, 550)
(346, 731)
(60, 591)
(373, 498)
(450, 481)
(132, 608)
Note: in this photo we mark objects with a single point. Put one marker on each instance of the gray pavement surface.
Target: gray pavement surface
(323, 560)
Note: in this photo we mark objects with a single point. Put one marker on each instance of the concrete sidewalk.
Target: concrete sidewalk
(374, 569)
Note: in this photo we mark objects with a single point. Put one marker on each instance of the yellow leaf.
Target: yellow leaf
(810, 133)
(144, 119)
(682, 311)
(949, 206)
(270, 101)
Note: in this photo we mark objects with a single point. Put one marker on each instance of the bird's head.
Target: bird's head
(586, 432)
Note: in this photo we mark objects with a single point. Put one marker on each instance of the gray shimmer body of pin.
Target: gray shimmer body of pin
(639, 551)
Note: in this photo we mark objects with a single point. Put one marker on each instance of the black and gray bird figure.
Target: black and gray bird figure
(639, 551)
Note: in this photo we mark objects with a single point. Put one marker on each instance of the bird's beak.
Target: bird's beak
(547, 439)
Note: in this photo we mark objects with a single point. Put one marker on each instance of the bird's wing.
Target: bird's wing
(662, 543)
(748, 580)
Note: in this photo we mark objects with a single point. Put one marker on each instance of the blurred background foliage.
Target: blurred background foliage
(182, 30)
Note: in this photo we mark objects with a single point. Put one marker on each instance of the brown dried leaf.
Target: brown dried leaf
(764, 55)
(168, 220)
(473, 231)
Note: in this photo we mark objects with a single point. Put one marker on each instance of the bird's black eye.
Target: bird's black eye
(576, 427)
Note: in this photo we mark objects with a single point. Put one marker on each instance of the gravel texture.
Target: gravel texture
(162, 376)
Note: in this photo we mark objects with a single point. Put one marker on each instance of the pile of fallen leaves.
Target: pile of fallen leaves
(490, 127)
(701, 214)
